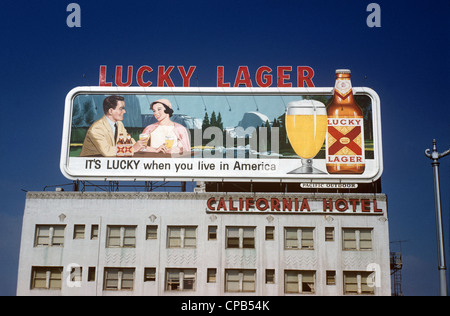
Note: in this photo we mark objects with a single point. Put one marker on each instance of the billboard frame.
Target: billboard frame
(205, 91)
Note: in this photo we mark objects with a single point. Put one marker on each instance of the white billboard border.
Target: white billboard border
(376, 125)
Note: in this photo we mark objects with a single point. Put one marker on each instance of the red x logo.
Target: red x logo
(355, 132)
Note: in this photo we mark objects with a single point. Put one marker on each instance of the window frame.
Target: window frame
(360, 284)
(243, 278)
(180, 278)
(296, 279)
(121, 280)
(51, 237)
(301, 240)
(49, 279)
(122, 237)
(183, 237)
(79, 231)
(151, 232)
(240, 237)
(350, 243)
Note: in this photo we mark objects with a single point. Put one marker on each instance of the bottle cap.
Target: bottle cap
(343, 71)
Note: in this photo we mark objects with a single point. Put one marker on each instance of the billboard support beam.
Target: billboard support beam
(434, 156)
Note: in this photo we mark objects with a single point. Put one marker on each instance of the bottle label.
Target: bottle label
(345, 141)
(343, 88)
(120, 150)
(128, 150)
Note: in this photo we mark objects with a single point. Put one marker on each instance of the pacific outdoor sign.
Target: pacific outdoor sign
(213, 134)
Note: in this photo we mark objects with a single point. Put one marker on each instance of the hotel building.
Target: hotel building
(204, 243)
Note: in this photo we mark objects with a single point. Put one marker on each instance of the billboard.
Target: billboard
(218, 134)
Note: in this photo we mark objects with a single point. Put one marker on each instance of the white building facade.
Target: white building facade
(121, 243)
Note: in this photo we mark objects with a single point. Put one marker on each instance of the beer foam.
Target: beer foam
(306, 107)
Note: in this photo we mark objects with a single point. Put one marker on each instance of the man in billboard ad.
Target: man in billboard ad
(102, 137)
(226, 134)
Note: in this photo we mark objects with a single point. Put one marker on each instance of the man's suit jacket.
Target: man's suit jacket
(99, 140)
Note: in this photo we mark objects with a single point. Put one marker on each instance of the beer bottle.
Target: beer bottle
(345, 134)
(120, 147)
(128, 146)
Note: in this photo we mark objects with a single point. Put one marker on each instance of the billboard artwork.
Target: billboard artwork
(221, 134)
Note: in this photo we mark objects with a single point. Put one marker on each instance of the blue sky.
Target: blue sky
(406, 61)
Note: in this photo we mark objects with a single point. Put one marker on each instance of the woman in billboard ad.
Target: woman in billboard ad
(166, 136)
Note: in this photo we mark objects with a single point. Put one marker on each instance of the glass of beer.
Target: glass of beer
(145, 138)
(306, 126)
(169, 142)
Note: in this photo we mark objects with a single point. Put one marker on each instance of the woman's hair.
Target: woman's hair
(167, 110)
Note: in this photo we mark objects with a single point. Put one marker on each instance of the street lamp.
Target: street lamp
(434, 156)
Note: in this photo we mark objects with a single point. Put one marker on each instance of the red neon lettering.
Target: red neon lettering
(375, 206)
(287, 204)
(327, 205)
(249, 203)
(354, 201)
(274, 204)
(264, 80)
(304, 76)
(220, 82)
(140, 75)
(365, 205)
(164, 76)
(341, 205)
(264, 202)
(282, 76)
(210, 203)
(186, 77)
(119, 81)
(221, 205)
(231, 206)
(305, 205)
(103, 82)
(243, 77)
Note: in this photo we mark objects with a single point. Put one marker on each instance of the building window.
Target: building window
(240, 237)
(329, 233)
(182, 237)
(78, 232)
(91, 274)
(149, 274)
(121, 237)
(270, 276)
(240, 280)
(359, 283)
(119, 279)
(212, 272)
(301, 282)
(212, 232)
(180, 279)
(270, 230)
(357, 239)
(331, 277)
(299, 238)
(49, 235)
(152, 232)
(49, 278)
(94, 232)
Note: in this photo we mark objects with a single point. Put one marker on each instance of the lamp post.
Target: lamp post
(434, 156)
